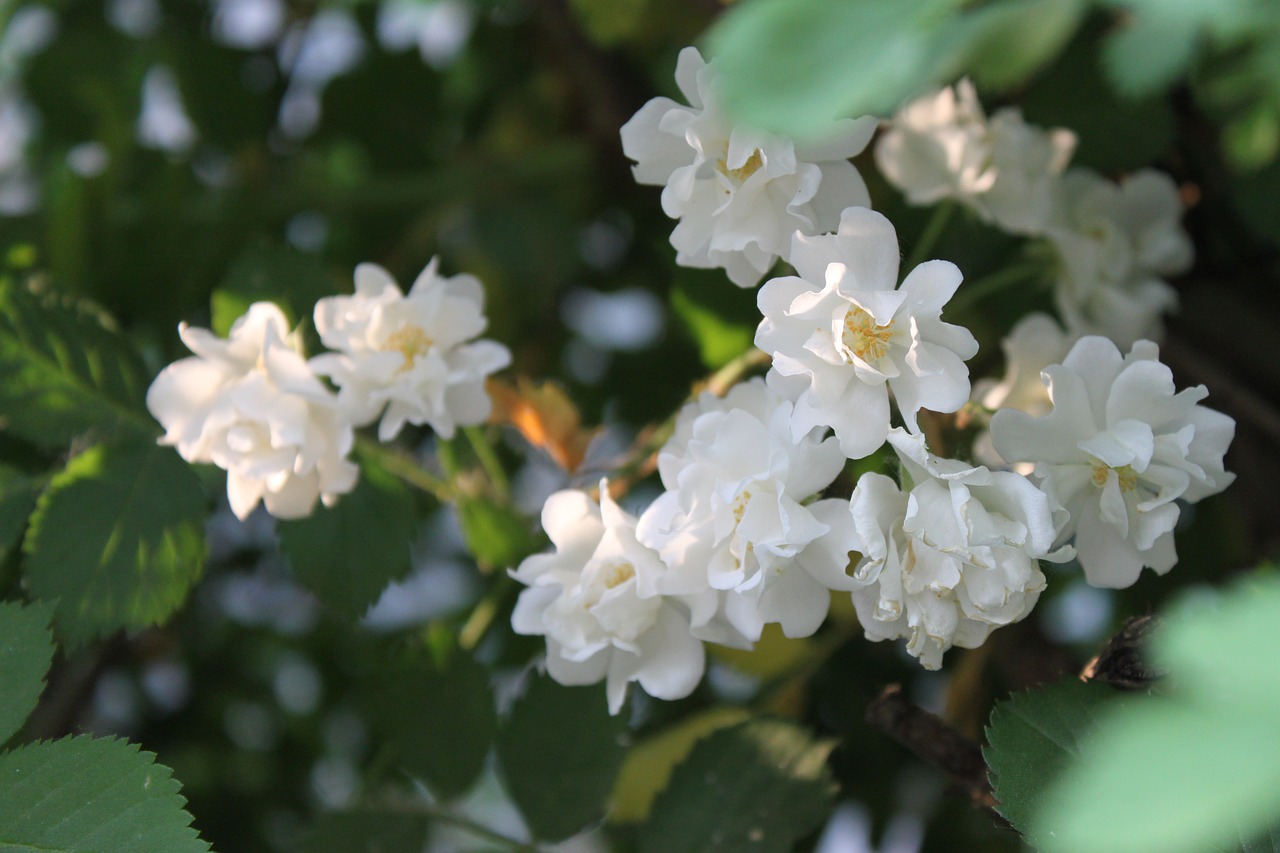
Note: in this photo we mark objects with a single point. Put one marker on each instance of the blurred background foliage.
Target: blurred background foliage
(175, 160)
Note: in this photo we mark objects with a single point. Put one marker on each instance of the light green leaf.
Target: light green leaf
(117, 539)
(560, 752)
(497, 536)
(64, 370)
(26, 650)
(792, 66)
(348, 553)
(365, 832)
(1004, 43)
(1150, 54)
(438, 720)
(759, 786)
(91, 795)
(721, 320)
(1032, 736)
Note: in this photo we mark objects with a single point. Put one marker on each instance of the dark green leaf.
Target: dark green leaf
(18, 494)
(759, 786)
(497, 536)
(290, 278)
(439, 721)
(721, 319)
(64, 371)
(91, 795)
(117, 539)
(26, 650)
(365, 832)
(1032, 736)
(560, 752)
(792, 66)
(348, 553)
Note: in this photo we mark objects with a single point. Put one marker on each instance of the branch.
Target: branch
(933, 741)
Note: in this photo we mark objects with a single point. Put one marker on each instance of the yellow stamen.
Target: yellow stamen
(863, 337)
(410, 341)
(746, 170)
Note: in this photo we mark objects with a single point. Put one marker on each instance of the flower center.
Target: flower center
(410, 341)
(746, 170)
(740, 505)
(616, 574)
(863, 337)
(1125, 474)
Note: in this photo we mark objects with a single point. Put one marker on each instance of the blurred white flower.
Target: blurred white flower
(841, 335)
(733, 518)
(942, 146)
(739, 193)
(409, 358)
(951, 559)
(1035, 342)
(1117, 244)
(592, 599)
(1119, 447)
(252, 406)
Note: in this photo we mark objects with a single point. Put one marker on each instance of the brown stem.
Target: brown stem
(933, 741)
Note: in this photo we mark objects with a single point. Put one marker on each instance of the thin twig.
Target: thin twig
(405, 467)
(394, 802)
(489, 462)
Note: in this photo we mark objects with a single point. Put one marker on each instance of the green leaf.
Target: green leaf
(365, 832)
(722, 320)
(348, 553)
(1004, 43)
(1151, 53)
(1032, 736)
(90, 795)
(292, 279)
(792, 66)
(64, 370)
(117, 539)
(18, 493)
(759, 786)
(26, 650)
(497, 536)
(438, 720)
(1197, 766)
(560, 752)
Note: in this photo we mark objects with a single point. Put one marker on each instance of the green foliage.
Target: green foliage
(65, 371)
(758, 786)
(365, 832)
(560, 752)
(1032, 736)
(1006, 42)
(89, 795)
(117, 539)
(438, 720)
(722, 324)
(1196, 766)
(497, 536)
(18, 493)
(348, 553)
(26, 650)
(270, 273)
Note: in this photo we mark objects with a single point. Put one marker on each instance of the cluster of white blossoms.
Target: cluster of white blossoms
(1087, 455)
(255, 406)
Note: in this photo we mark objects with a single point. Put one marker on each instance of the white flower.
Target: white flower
(587, 598)
(1117, 244)
(739, 193)
(733, 518)
(841, 336)
(412, 356)
(251, 406)
(1119, 447)
(953, 558)
(942, 146)
(1035, 342)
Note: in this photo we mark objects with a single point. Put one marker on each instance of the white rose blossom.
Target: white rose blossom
(591, 597)
(733, 518)
(1117, 244)
(942, 146)
(1035, 342)
(952, 558)
(841, 336)
(1117, 450)
(739, 193)
(409, 358)
(252, 406)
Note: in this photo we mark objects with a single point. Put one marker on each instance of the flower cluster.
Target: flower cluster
(753, 527)
(255, 406)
